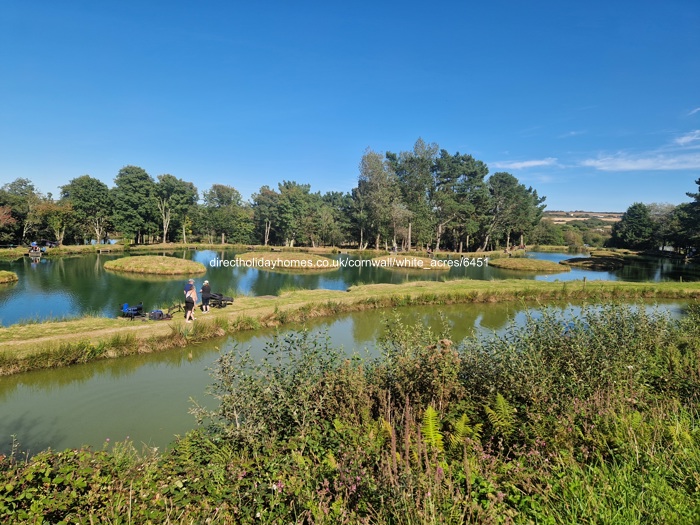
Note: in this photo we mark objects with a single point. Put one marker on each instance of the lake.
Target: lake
(56, 288)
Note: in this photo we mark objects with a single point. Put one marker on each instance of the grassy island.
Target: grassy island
(286, 261)
(527, 265)
(156, 265)
(7, 277)
(599, 260)
(409, 262)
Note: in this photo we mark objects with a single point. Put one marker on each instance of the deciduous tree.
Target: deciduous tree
(91, 204)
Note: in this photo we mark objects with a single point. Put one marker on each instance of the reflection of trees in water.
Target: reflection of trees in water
(461, 320)
(642, 270)
(24, 428)
(49, 380)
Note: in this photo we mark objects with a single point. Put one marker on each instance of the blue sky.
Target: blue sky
(595, 104)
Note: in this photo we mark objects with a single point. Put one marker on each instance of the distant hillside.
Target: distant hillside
(561, 217)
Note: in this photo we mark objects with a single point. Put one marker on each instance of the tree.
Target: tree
(265, 210)
(91, 203)
(294, 206)
(662, 220)
(134, 201)
(513, 208)
(414, 176)
(377, 188)
(22, 198)
(635, 229)
(7, 222)
(693, 218)
(174, 198)
(58, 216)
(547, 233)
(460, 195)
(226, 215)
(340, 208)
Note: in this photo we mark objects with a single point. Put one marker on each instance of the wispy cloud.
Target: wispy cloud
(625, 162)
(694, 111)
(523, 164)
(686, 139)
(682, 154)
(571, 134)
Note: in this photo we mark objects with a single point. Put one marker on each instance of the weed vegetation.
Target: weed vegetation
(590, 418)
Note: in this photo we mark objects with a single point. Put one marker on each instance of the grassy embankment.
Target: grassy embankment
(567, 421)
(51, 344)
(7, 277)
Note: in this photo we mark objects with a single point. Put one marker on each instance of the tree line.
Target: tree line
(660, 226)
(425, 197)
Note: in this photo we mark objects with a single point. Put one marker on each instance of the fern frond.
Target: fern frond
(430, 429)
(462, 431)
(502, 416)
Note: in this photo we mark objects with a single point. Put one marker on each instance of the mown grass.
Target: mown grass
(559, 421)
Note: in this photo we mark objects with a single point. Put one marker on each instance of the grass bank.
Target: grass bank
(528, 265)
(595, 423)
(7, 277)
(156, 265)
(52, 344)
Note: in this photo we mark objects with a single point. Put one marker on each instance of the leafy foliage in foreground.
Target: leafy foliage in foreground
(587, 421)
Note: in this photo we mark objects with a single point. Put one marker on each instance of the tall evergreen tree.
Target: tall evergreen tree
(635, 230)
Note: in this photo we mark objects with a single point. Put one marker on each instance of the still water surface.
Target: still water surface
(146, 398)
(56, 288)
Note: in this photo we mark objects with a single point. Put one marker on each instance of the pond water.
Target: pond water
(146, 398)
(640, 270)
(56, 288)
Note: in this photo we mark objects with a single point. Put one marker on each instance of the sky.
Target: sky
(594, 104)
